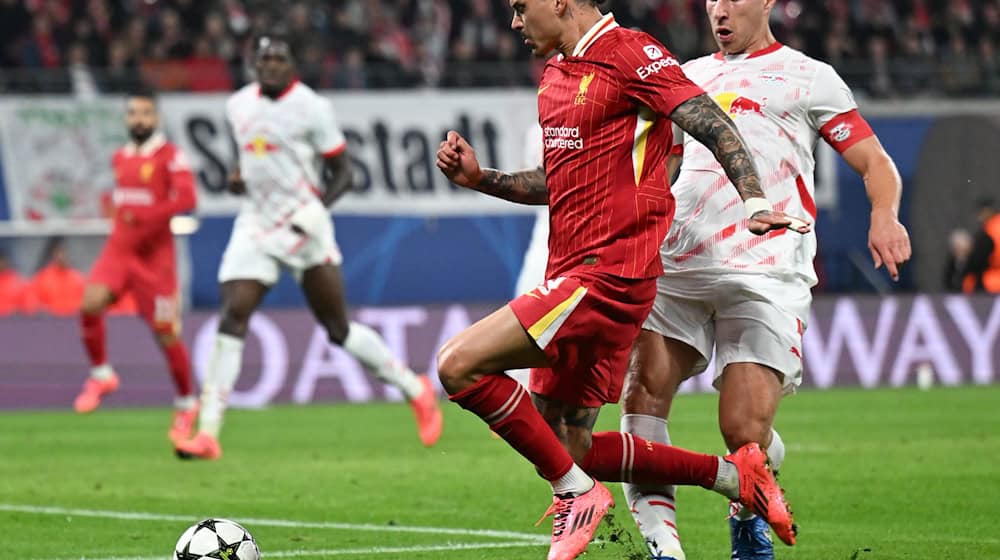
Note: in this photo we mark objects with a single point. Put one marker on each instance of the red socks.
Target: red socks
(93, 333)
(506, 406)
(180, 367)
(623, 457)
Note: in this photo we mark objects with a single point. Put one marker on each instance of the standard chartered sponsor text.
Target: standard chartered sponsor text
(565, 137)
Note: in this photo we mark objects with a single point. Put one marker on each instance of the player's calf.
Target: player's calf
(455, 367)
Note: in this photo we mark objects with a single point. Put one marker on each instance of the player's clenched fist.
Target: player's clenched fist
(457, 160)
(235, 182)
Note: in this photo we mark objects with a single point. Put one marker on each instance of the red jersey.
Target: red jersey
(152, 183)
(605, 113)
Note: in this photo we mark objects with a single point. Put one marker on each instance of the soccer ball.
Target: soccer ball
(216, 539)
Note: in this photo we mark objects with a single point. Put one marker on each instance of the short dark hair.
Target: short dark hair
(264, 38)
(141, 92)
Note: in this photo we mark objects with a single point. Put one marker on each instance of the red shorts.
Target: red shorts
(151, 278)
(586, 324)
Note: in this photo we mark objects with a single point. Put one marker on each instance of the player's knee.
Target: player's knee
(454, 367)
(234, 321)
(91, 307)
(93, 303)
(165, 336)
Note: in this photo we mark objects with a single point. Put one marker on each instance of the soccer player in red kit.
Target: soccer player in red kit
(153, 183)
(605, 105)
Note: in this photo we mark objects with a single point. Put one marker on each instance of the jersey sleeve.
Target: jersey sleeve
(833, 111)
(652, 76)
(327, 138)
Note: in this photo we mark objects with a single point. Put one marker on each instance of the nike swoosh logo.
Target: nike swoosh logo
(543, 88)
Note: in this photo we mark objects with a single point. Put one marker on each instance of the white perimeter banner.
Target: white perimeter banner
(57, 150)
(57, 155)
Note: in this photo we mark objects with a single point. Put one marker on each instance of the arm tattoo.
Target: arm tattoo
(706, 122)
(526, 187)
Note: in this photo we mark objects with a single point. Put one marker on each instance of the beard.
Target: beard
(139, 134)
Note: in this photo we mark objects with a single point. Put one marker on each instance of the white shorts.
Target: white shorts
(744, 317)
(254, 253)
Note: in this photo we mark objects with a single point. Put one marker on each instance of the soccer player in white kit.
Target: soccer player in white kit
(292, 166)
(746, 296)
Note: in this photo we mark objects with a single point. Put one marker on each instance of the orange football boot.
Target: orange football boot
(93, 389)
(427, 413)
(201, 446)
(760, 493)
(574, 520)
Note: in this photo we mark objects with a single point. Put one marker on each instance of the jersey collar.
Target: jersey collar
(291, 85)
(603, 25)
(744, 56)
(147, 148)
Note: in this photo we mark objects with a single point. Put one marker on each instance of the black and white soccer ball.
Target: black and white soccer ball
(216, 539)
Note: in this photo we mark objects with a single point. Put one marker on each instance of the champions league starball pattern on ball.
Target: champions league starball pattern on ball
(216, 539)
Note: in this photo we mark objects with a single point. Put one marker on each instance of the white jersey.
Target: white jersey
(782, 101)
(281, 144)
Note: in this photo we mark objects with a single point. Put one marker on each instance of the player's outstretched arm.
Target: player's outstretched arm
(457, 160)
(888, 240)
(705, 121)
(338, 178)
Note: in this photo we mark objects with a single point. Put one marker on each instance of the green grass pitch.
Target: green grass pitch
(872, 475)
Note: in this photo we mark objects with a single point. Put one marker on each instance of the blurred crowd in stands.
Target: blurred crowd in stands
(883, 48)
(56, 287)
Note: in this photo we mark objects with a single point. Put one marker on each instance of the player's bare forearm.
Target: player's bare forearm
(337, 178)
(882, 182)
(525, 187)
(704, 120)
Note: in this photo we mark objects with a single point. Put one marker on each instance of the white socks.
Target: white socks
(367, 346)
(574, 482)
(223, 370)
(727, 480)
(102, 372)
(653, 507)
(185, 403)
(776, 453)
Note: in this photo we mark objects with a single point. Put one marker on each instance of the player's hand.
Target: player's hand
(457, 160)
(235, 182)
(888, 241)
(765, 221)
